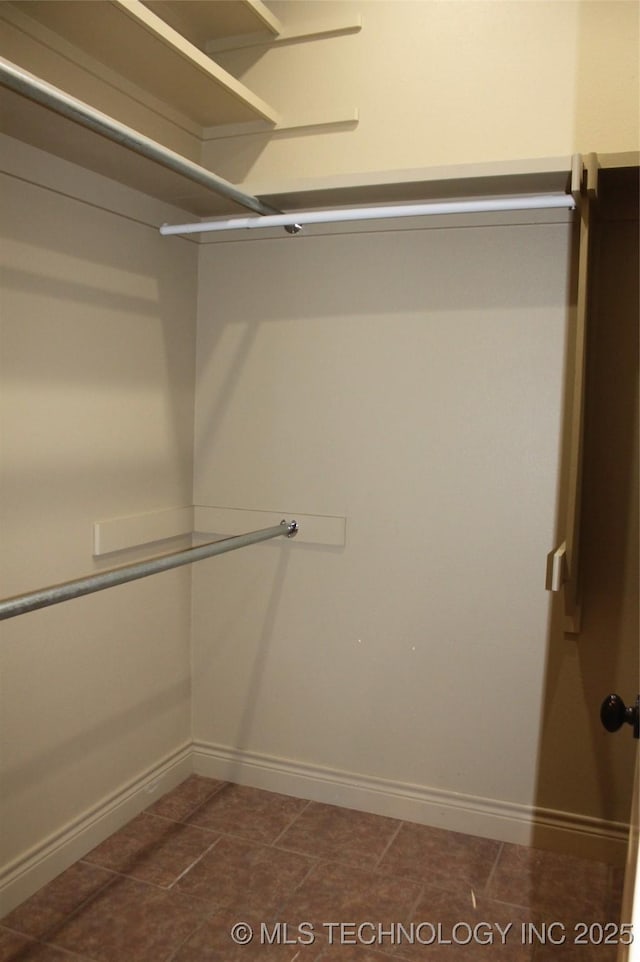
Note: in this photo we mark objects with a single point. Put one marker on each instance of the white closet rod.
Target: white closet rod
(22, 82)
(297, 219)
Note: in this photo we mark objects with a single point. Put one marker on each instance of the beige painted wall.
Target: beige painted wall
(97, 354)
(414, 382)
(441, 83)
(411, 381)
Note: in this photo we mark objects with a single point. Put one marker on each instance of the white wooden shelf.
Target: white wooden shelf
(131, 39)
(129, 64)
(205, 21)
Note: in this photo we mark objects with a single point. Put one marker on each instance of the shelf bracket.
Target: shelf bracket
(334, 26)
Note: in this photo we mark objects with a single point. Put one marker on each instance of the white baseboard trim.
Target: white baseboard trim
(34, 868)
(490, 818)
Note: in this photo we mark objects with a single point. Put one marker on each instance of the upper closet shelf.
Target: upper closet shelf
(202, 22)
(48, 117)
(132, 40)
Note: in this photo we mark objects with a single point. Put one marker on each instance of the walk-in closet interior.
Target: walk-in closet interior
(445, 404)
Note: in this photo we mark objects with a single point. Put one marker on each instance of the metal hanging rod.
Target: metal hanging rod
(46, 94)
(54, 594)
(294, 221)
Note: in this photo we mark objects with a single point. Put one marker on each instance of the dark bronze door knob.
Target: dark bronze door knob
(614, 714)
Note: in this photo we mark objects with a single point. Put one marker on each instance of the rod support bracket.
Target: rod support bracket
(292, 528)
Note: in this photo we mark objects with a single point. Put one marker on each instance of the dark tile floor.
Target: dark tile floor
(313, 883)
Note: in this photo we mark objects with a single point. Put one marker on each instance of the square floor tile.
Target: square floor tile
(248, 812)
(269, 941)
(570, 952)
(449, 860)
(130, 921)
(334, 895)
(54, 902)
(616, 891)
(560, 887)
(240, 873)
(182, 801)
(18, 948)
(331, 832)
(353, 953)
(152, 849)
(447, 927)
(10, 944)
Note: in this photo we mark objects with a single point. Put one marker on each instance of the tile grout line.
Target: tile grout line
(187, 938)
(193, 864)
(126, 878)
(275, 841)
(416, 902)
(493, 869)
(73, 956)
(315, 862)
(196, 808)
(45, 938)
(392, 839)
